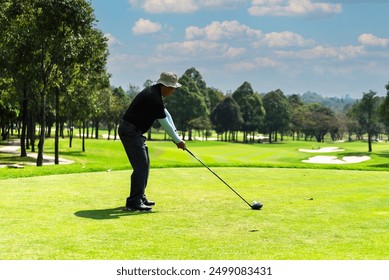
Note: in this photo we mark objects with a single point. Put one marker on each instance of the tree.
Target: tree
(133, 90)
(18, 54)
(251, 107)
(215, 96)
(48, 44)
(211, 96)
(66, 38)
(318, 121)
(203, 123)
(186, 104)
(384, 108)
(227, 117)
(341, 128)
(365, 112)
(297, 114)
(8, 108)
(84, 68)
(118, 103)
(278, 113)
(197, 78)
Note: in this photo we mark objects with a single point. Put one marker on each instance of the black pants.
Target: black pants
(137, 152)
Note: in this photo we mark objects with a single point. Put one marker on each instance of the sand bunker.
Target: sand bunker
(335, 160)
(47, 160)
(322, 150)
(332, 159)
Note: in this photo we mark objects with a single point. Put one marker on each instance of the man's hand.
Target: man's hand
(181, 145)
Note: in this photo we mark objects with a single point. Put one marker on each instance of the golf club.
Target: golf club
(254, 206)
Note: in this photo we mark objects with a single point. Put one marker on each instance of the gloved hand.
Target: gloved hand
(181, 145)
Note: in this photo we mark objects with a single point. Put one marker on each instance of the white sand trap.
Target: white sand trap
(9, 149)
(322, 150)
(335, 160)
(47, 160)
(50, 160)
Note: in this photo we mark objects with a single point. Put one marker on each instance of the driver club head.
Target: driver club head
(256, 205)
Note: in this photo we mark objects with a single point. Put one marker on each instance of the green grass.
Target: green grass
(310, 211)
(102, 155)
(197, 217)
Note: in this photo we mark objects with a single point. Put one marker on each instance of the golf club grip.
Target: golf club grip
(217, 176)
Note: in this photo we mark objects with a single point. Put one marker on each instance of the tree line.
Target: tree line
(274, 114)
(54, 74)
(53, 66)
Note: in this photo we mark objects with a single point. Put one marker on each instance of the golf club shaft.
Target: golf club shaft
(218, 176)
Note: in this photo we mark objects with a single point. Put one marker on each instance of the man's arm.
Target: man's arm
(168, 125)
(170, 130)
(170, 119)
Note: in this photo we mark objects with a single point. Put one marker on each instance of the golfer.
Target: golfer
(146, 107)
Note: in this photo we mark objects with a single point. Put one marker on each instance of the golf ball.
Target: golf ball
(256, 205)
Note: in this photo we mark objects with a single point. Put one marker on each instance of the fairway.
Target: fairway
(307, 214)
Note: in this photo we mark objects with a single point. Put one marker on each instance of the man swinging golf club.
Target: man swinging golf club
(146, 107)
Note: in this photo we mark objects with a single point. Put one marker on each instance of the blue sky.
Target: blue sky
(332, 47)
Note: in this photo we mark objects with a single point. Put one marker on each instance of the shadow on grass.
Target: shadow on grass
(107, 214)
(384, 154)
(384, 165)
(73, 153)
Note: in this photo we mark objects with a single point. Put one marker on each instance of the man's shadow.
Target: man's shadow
(107, 214)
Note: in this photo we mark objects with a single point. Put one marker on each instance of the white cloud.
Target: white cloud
(338, 53)
(166, 6)
(285, 39)
(234, 52)
(292, 8)
(112, 40)
(233, 30)
(369, 39)
(145, 26)
(200, 49)
(192, 32)
(191, 48)
(184, 6)
(118, 62)
(347, 52)
(220, 4)
(255, 63)
(222, 30)
(352, 1)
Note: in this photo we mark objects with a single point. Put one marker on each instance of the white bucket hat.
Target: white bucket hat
(169, 79)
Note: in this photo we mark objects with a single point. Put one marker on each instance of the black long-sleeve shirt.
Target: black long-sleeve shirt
(146, 107)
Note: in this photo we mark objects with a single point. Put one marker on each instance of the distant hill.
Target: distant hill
(335, 103)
